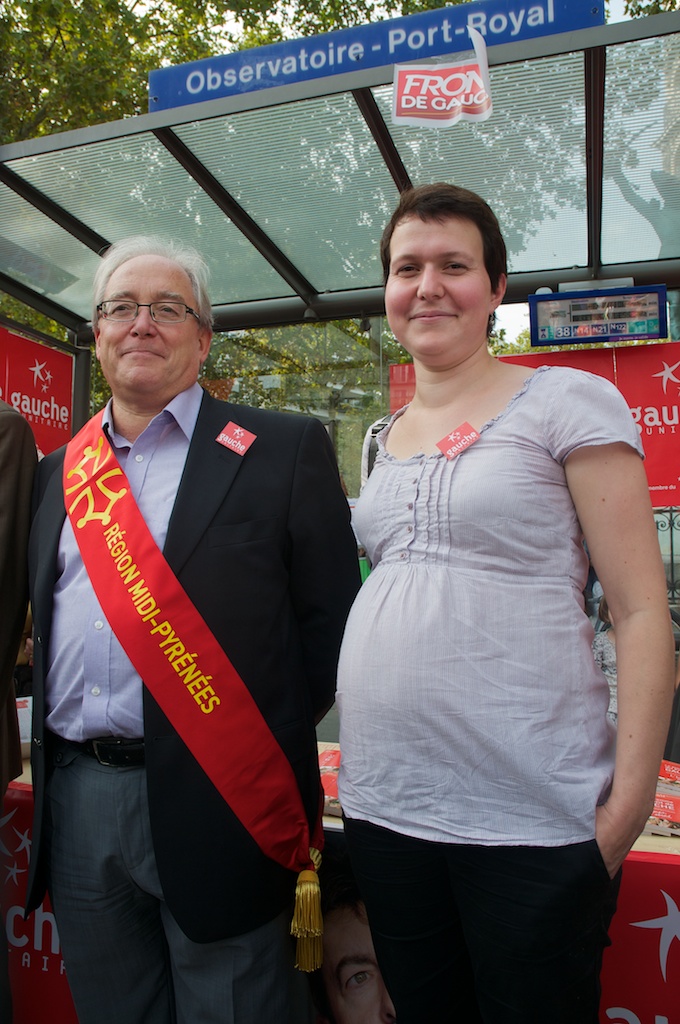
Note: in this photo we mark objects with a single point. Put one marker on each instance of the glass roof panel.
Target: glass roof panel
(134, 186)
(312, 177)
(48, 260)
(641, 174)
(527, 161)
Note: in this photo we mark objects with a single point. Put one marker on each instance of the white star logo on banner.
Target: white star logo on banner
(667, 374)
(37, 371)
(13, 873)
(668, 925)
(3, 822)
(24, 843)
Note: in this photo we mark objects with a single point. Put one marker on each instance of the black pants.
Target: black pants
(492, 934)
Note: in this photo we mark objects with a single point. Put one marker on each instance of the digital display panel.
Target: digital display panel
(612, 314)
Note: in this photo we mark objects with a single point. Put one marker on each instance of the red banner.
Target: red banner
(648, 377)
(39, 987)
(641, 970)
(38, 382)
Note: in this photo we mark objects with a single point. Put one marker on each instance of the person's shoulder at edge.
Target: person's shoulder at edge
(582, 387)
(556, 373)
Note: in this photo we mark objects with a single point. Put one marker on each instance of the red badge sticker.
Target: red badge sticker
(458, 440)
(238, 439)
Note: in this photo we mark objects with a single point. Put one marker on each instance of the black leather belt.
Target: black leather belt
(117, 753)
(108, 750)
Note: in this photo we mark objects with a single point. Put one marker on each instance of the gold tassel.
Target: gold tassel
(307, 924)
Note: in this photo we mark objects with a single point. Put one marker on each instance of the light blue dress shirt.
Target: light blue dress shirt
(91, 686)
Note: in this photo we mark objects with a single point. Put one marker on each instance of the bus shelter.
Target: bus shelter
(285, 191)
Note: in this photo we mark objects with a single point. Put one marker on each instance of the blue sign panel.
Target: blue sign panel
(612, 314)
(430, 34)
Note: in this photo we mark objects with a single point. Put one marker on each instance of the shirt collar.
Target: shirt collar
(183, 408)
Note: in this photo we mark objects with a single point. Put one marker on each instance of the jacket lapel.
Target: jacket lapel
(209, 472)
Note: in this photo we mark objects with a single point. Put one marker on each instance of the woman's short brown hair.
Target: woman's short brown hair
(440, 201)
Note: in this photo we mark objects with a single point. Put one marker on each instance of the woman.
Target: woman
(488, 808)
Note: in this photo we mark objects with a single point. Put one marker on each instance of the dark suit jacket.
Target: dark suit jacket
(17, 466)
(263, 546)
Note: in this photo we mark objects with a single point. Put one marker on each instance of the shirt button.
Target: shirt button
(402, 555)
(95, 691)
(410, 505)
(139, 458)
(99, 624)
(409, 529)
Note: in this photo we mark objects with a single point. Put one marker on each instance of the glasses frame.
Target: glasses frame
(145, 305)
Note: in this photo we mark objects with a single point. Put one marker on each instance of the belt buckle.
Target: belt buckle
(118, 753)
(96, 744)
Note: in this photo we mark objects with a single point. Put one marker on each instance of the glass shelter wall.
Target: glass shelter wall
(641, 169)
(338, 372)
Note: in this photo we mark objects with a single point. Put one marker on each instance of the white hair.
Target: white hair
(185, 256)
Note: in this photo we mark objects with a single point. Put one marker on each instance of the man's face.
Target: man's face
(352, 979)
(147, 363)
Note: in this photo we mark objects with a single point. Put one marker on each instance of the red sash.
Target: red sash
(177, 656)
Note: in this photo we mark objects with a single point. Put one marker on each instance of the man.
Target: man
(172, 816)
(348, 988)
(17, 465)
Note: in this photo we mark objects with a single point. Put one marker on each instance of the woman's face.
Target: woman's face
(438, 295)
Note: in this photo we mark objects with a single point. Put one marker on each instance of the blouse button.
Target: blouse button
(410, 505)
(409, 529)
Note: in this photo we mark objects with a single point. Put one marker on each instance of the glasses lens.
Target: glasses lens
(117, 309)
(168, 312)
(162, 312)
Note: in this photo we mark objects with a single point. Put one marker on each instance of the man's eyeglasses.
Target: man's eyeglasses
(162, 312)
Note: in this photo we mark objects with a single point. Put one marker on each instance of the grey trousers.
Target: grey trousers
(126, 959)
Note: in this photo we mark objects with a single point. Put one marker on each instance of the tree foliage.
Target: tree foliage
(72, 63)
(641, 8)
